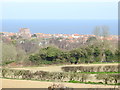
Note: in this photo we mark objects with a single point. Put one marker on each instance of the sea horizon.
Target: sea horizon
(58, 26)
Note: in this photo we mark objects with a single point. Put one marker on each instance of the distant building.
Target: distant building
(24, 32)
(75, 35)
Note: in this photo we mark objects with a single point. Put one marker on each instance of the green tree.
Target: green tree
(13, 37)
(96, 54)
(117, 55)
(34, 35)
(35, 58)
(108, 55)
(51, 53)
(91, 39)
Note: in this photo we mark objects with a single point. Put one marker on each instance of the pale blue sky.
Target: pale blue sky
(60, 13)
(59, 10)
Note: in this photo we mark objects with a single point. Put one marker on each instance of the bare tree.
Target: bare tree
(97, 31)
(105, 31)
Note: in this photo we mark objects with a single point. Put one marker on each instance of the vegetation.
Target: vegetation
(106, 68)
(101, 31)
(99, 72)
(91, 82)
(61, 76)
(108, 78)
(88, 54)
(94, 52)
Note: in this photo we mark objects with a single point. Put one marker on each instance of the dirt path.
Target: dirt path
(10, 83)
(54, 68)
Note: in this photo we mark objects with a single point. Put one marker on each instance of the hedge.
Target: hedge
(106, 68)
(58, 76)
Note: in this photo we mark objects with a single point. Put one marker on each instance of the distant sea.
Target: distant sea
(59, 26)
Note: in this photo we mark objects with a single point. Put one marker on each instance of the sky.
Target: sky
(26, 10)
(59, 9)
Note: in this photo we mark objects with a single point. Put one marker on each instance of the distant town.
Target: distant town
(26, 34)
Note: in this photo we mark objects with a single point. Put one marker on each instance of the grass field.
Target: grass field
(55, 68)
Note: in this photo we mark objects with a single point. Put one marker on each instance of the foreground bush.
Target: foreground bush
(58, 87)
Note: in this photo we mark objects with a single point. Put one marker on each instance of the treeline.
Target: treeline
(97, 52)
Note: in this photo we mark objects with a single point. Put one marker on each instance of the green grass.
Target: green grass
(85, 82)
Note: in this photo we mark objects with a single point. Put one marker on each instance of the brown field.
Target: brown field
(54, 68)
(10, 83)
